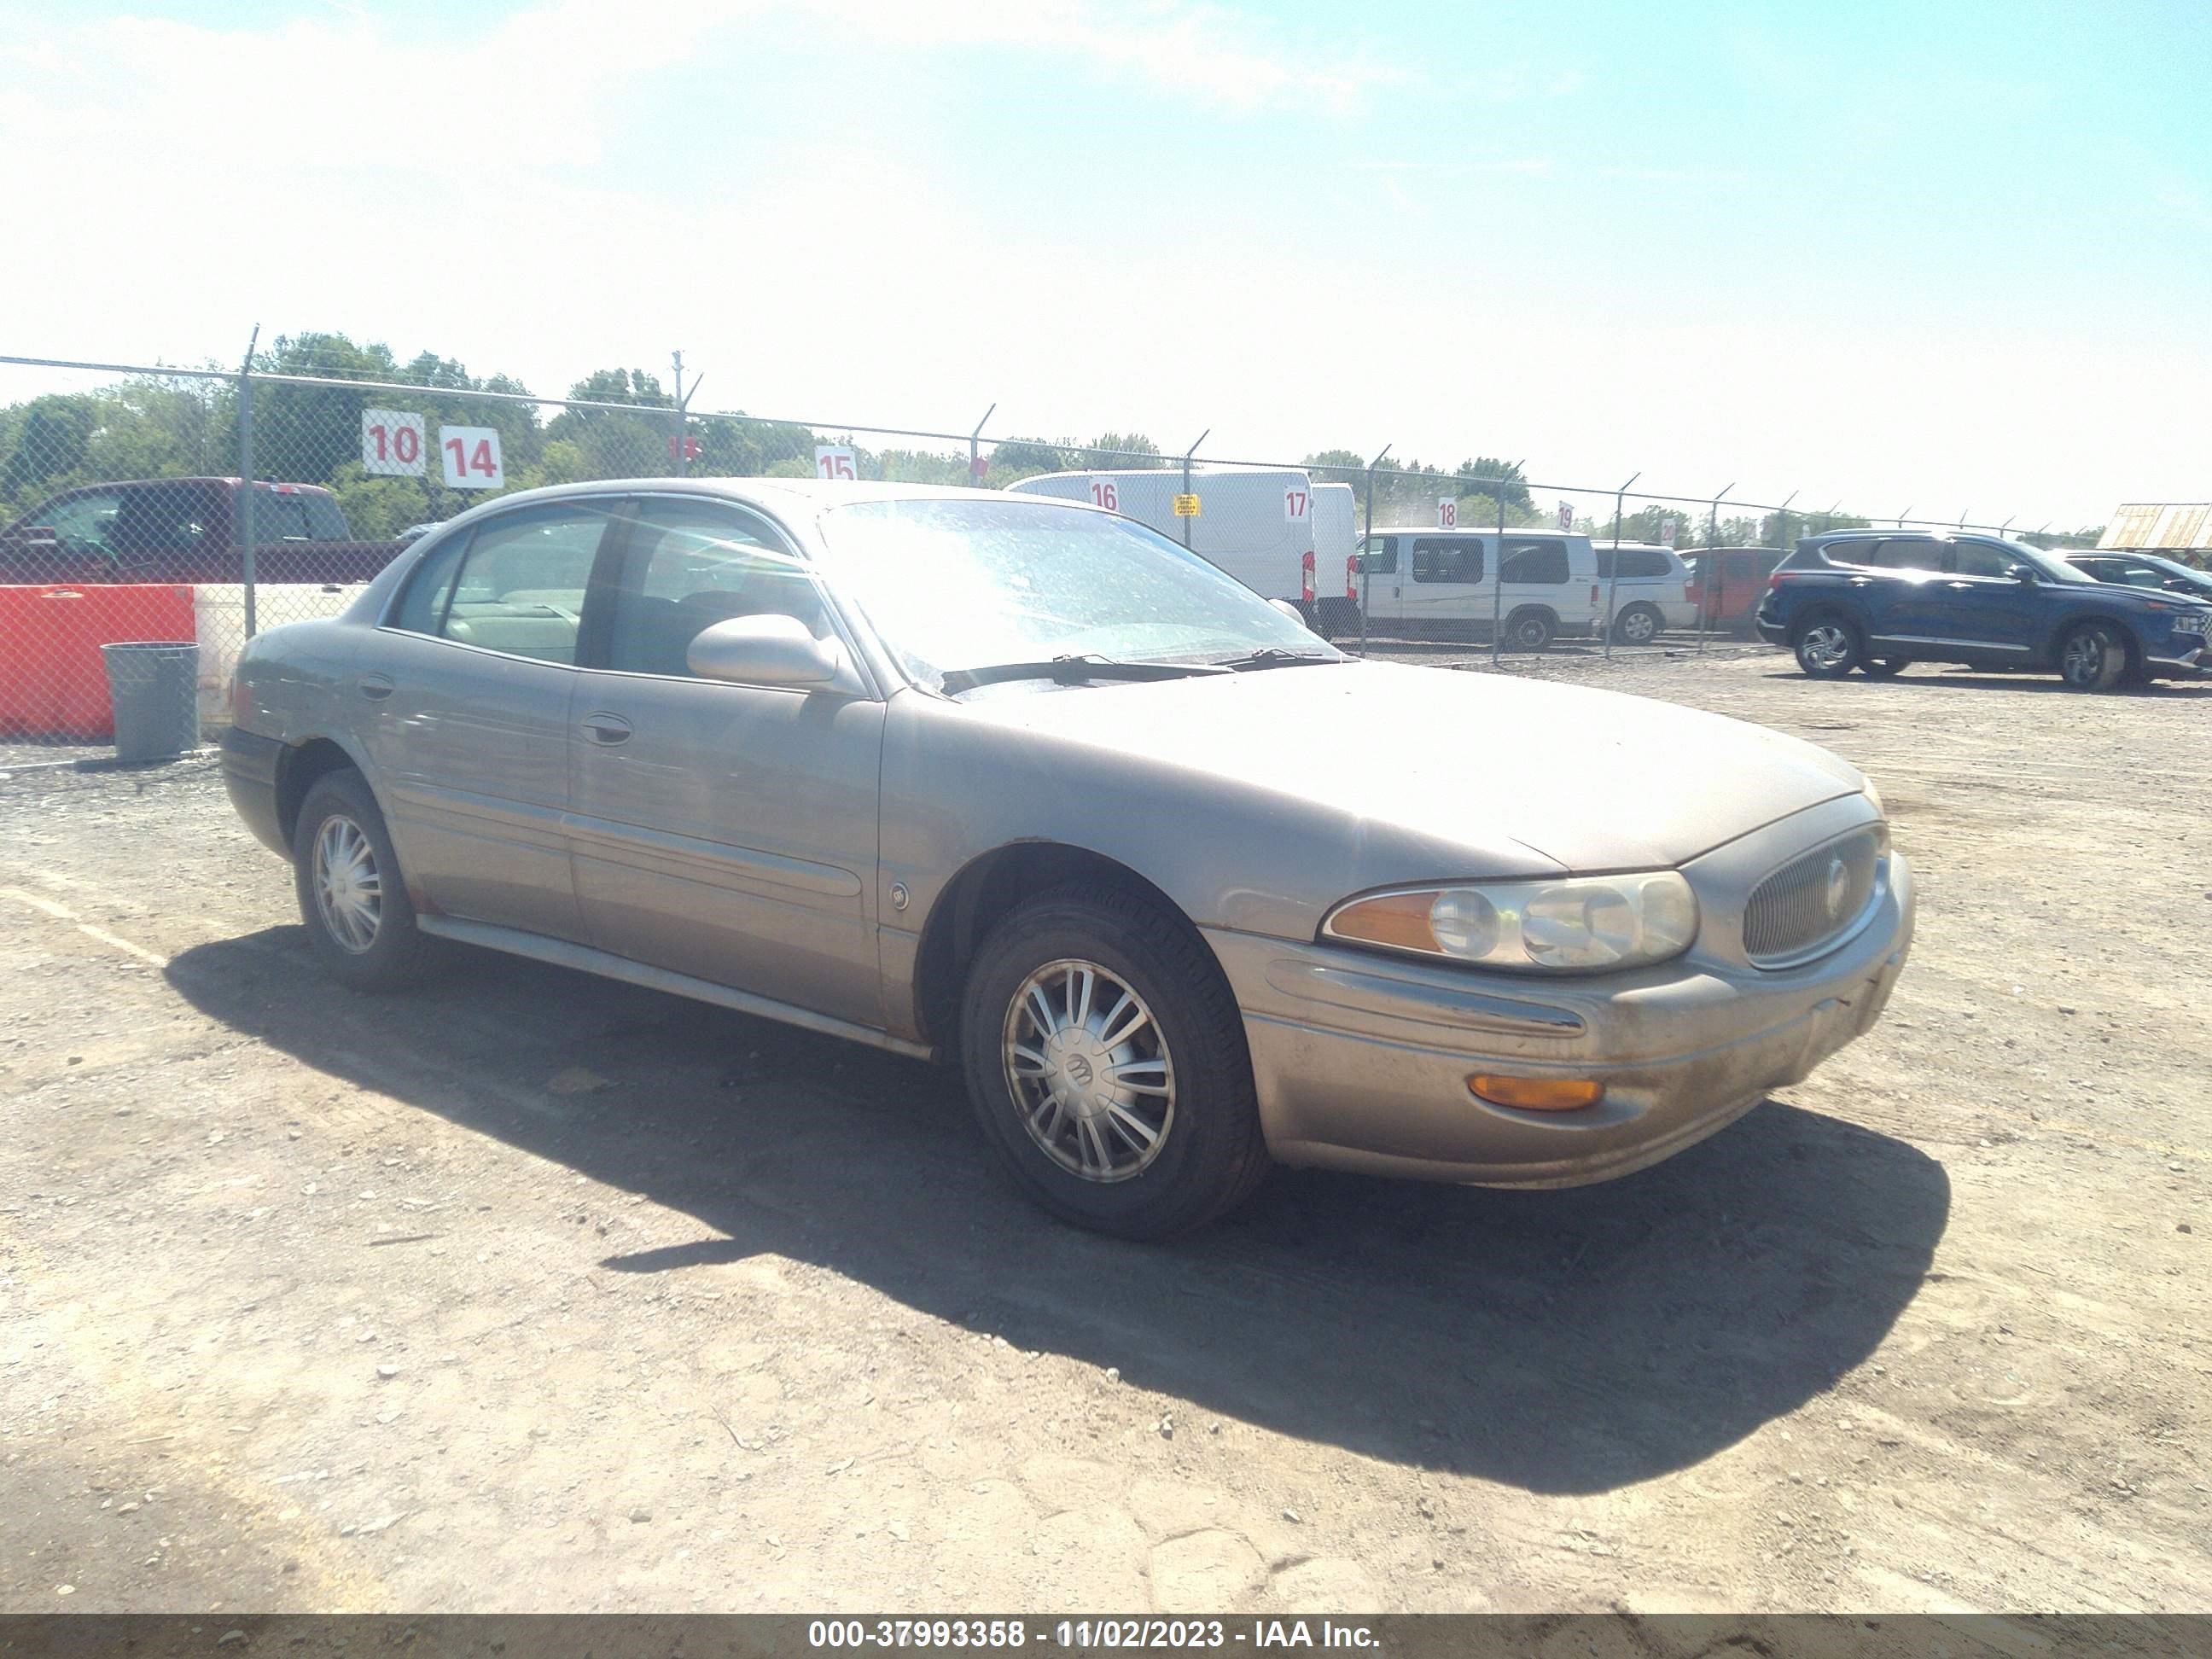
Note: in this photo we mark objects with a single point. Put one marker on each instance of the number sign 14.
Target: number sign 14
(472, 457)
(392, 443)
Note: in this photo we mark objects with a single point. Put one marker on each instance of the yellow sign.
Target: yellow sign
(1186, 507)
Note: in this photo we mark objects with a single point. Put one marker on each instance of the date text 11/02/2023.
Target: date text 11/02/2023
(1088, 1634)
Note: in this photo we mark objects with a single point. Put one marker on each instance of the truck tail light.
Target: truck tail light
(1351, 577)
(1306, 578)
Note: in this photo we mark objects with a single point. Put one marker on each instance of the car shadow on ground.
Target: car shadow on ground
(1567, 1341)
(1966, 679)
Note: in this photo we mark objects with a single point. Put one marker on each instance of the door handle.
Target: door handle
(1958, 587)
(376, 687)
(607, 729)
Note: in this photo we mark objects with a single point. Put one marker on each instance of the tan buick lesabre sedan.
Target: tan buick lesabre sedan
(1024, 785)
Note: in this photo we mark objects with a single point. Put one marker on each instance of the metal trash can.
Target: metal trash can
(154, 688)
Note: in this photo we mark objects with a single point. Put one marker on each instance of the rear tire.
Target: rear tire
(1883, 668)
(2092, 658)
(1148, 1135)
(1828, 647)
(353, 899)
(1530, 630)
(1638, 625)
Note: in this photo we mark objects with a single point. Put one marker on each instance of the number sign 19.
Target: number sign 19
(836, 461)
(1297, 501)
(472, 457)
(392, 443)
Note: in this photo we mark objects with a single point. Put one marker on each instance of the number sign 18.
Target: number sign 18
(392, 443)
(1446, 513)
(472, 457)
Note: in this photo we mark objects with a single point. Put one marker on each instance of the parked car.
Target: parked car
(1446, 582)
(2144, 570)
(1876, 601)
(1726, 584)
(186, 530)
(1649, 594)
(1018, 782)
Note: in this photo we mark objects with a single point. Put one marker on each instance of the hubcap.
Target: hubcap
(2085, 658)
(1090, 1072)
(1637, 628)
(348, 891)
(1827, 644)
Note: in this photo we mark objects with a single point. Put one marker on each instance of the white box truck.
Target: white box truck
(1272, 528)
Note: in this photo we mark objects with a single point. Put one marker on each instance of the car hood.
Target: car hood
(1592, 781)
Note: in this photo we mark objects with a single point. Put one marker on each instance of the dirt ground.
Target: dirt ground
(528, 1291)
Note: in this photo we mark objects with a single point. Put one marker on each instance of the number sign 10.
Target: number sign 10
(392, 443)
(472, 457)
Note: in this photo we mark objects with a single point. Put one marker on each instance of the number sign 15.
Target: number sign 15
(472, 457)
(836, 461)
(392, 443)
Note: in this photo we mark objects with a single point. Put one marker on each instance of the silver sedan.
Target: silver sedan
(1023, 786)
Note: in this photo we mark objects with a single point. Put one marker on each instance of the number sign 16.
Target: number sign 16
(392, 443)
(472, 457)
(1103, 494)
(1297, 501)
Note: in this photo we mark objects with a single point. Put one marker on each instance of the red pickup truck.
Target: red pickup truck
(185, 530)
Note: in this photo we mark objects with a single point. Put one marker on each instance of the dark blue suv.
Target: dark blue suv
(1876, 600)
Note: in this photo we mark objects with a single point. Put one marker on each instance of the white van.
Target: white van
(1335, 610)
(1259, 524)
(1445, 583)
(1650, 593)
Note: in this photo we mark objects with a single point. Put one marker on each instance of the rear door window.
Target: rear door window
(518, 586)
(1535, 561)
(1909, 553)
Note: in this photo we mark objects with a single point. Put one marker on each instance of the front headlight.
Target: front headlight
(1576, 925)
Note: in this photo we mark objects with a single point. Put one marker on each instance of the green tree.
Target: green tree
(1120, 452)
(51, 442)
(1025, 458)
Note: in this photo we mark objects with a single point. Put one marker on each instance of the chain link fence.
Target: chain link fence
(126, 518)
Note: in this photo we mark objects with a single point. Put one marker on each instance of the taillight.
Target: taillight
(1773, 580)
(1593, 593)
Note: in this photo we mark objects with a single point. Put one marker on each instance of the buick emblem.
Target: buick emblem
(1839, 887)
(1079, 1069)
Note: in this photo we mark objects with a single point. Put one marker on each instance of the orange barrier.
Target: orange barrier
(53, 682)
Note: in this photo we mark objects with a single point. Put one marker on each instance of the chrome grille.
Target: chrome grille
(1812, 903)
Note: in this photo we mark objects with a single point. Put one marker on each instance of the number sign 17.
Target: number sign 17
(1297, 504)
(472, 457)
(392, 443)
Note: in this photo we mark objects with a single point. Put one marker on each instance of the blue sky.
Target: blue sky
(1953, 257)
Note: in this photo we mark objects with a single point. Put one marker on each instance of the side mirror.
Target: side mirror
(2022, 573)
(1291, 611)
(764, 650)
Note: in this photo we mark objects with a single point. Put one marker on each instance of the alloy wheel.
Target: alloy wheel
(1089, 1069)
(349, 888)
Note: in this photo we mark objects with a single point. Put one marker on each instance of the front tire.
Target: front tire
(1828, 647)
(1883, 668)
(1105, 1059)
(2092, 658)
(352, 897)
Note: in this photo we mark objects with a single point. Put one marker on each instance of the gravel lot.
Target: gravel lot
(533, 1291)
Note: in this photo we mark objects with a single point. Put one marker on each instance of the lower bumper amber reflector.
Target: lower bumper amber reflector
(1537, 1094)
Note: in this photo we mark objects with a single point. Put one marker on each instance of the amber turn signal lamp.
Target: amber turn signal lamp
(1398, 919)
(1537, 1094)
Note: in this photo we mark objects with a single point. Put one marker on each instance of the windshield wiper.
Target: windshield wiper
(1071, 670)
(1278, 656)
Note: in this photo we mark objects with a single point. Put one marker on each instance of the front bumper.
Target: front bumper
(2183, 653)
(1362, 1060)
